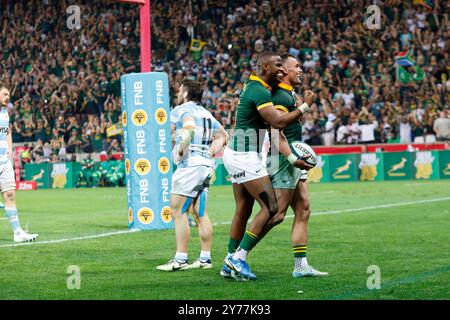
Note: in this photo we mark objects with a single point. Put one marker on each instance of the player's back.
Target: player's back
(205, 126)
(4, 129)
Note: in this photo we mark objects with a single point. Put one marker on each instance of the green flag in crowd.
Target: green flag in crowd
(402, 75)
(196, 49)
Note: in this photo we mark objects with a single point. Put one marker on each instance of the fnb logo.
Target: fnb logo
(161, 116)
(4, 130)
(142, 166)
(139, 117)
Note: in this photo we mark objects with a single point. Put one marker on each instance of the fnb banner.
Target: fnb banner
(148, 143)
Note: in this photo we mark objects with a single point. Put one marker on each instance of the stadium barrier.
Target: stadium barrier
(379, 166)
(382, 166)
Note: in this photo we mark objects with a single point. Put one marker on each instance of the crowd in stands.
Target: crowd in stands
(65, 84)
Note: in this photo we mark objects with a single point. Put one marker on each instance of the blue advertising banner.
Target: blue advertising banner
(147, 141)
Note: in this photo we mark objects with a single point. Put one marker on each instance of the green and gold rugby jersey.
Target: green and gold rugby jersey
(284, 99)
(250, 126)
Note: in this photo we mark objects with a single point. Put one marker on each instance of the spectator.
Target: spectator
(353, 132)
(417, 128)
(348, 65)
(442, 126)
(405, 130)
(86, 142)
(328, 134)
(342, 134)
(367, 129)
(74, 143)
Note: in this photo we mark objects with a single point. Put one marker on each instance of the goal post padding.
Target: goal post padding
(147, 143)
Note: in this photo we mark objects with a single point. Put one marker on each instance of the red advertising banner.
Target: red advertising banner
(26, 185)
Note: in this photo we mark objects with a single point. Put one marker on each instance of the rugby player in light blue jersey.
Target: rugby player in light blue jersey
(7, 179)
(198, 136)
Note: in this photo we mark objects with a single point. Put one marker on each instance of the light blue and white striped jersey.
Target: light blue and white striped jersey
(4, 129)
(205, 126)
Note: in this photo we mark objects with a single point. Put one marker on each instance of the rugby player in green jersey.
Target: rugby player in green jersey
(243, 160)
(290, 183)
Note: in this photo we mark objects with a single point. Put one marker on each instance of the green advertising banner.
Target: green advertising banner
(343, 167)
(53, 175)
(444, 164)
(321, 172)
(65, 174)
(370, 167)
(39, 172)
(397, 165)
(426, 165)
(421, 165)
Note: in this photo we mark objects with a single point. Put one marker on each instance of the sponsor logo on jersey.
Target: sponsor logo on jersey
(4, 130)
(239, 175)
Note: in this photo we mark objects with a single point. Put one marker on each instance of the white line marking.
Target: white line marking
(94, 236)
(3, 218)
(391, 205)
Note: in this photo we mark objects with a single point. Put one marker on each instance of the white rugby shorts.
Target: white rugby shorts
(304, 175)
(190, 181)
(7, 178)
(244, 166)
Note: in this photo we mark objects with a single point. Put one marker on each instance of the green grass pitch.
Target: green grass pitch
(401, 227)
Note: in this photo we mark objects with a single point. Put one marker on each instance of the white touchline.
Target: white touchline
(94, 236)
(391, 205)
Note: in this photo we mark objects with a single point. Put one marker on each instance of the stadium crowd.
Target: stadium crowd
(65, 83)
